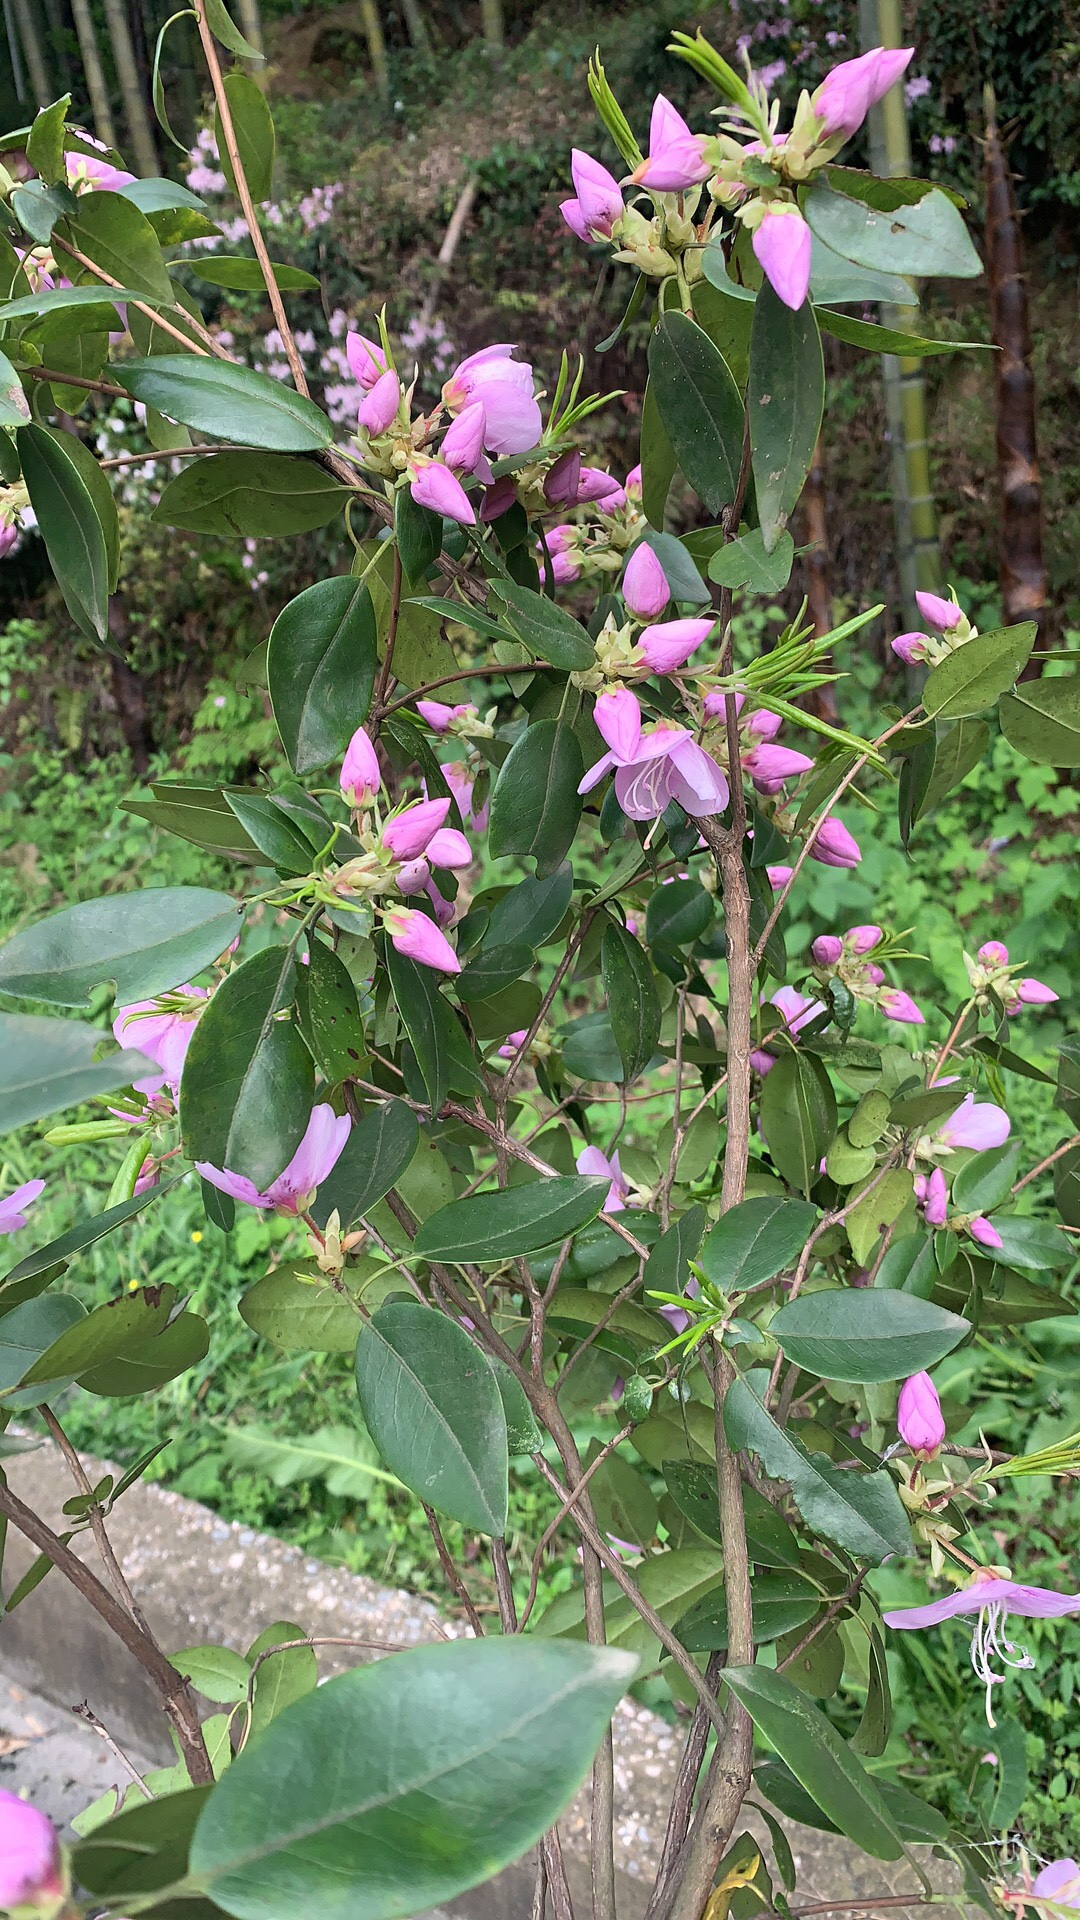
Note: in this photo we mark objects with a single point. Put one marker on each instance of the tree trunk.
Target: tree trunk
(373, 34)
(14, 53)
(33, 53)
(251, 27)
(143, 149)
(492, 23)
(1020, 549)
(94, 73)
(416, 25)
(58, 42)
(918, 552)
(129, 693)
(817, 570)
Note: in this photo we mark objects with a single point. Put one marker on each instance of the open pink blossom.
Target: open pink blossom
(433, 485)
(593, 1162)
(367, 359)
(669, 646)
(918, 1415)
(161, 1033)
(977, 1125)
(360, 776)
(676, 158)
(513, 421)
(644, 586)
(599, 195)
(938, 612)
(796, 1010)
(406, 835)
(834, 846)
(992, 1599)
(845, 96)
(665, 765)
(31, 1867)
(782, 248)
(418, 938)
(85, 171)
(900, 1006)
(1059, 1882)
(13, 1206)
(378, 409)
(312, 1163)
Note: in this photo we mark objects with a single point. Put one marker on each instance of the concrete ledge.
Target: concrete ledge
(200, 1578)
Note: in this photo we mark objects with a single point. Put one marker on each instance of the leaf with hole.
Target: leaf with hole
(926, 239)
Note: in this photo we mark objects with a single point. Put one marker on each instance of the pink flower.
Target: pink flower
(511, 1045)
(599, 195)
(563, 479)
(779, 877)
(595, 484)
(863, 939)
(918, 1415)
(795, 1010)
(666, 765)
(770, 766)
(31, 1868)
(977, 1126)
(12, 1215)
(367, 359)
(994, 953)
(433, 485)
(670, 645)
(378, 409)
(937, 612)
(834, 846)
(439, 717)
(846, 95)
(463, 442)
(911, 648)
(575, 220)
(448, 848)
(676, 156)
(513, 420)
(360, 776)
(645, 590)
(1034, 994)
(592, 1161)
(984, 1231)
(993, 1600)
(312, 1163)
(827, 949)
(406, 835)
(1058, 1881)
(161, 1034)
(498, 498)
(461, 783)
(900, 1006)
(84, 171)
(9, 537)
(782, 248)
(933, 1197)
(419, 939)
(149, 1175)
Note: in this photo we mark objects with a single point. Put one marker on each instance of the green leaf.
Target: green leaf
(342, 1456)
(278, 838)
(671, 1582)
(623, 1501)
(107, 1333)
(113, 233)
(864, 1334)
(782, 1602)
(692, 1486)
(377, 1152)
(987, 1179)
(909, 346)
(535, 807)
(45, 142)
(798, 1117)
(667, 1268)
(1032, 1244)
(443, 1053)
(491, 1227)
(744, 563)
(228, 401)
(146, 942)
(1010, 1778)
(320, 667)
(282, 1677)
(46, 1065)
(860, 1512)
(153, 1363)
(925, 240)
(1042, 720)
(523, 1434)
(246, 1092)
(250, 496)
(542, 627)
(785, 398)
(700, 407)
(633, 1001)
(418, 532)
(432, 1405)
(329, 1012)
(532, 911)
(682, 575)
(923, 1110)
(253, 126)
(199, 814)
(217, 1673)
(658, 462)
(913, 1819)
(302, 1311)
(322, 1814)
(143, 1848)
(239, 273)
(25, 1333)
(97, 302)
(14, 406)
(493, 969)
(958, 750)
(58, 1252)
(223, 28)
(754, 1241)
(820, 1760)
(678, 914)
(38, 208)
(75, 539)
(871, 1736)
(973, 678)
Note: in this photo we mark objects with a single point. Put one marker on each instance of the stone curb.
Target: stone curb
(199, 1578)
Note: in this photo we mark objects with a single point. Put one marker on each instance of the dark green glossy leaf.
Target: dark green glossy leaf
(496, 1226)
(248, 495)
(678, 914)
(798, 1117)
(667, 1268)
(278, 838)
(1032, 1244)
(974, 677)
(532, 911)
(321, 1814)
(84, 1234)
(493, 969)
(223, 28)
(298, 1308)
(1042, 720)
(253, 126)
(987, 1179)
(535, 807)
(377, 1152)
(105, 1334)
(248, 1082)
(658, 460)
(141, 1849)
(240, 274)
(199, 814)
(633, 1000)
(909, 346)
(926, 239)
(145, 1368)
(700, 406)
(548, 632)
(46, 1065)
(76, 540)
(432, 1405)
(25, 1333)
(957, 751)
(782, 1603)
(754, 1241)
(116, 235)
(443, 1054)
(418, 532)
(146, 942)
(330, 1017)
(785, 398)
(228, 401)
(871, 1736)
(745, 564)
(864, 1334)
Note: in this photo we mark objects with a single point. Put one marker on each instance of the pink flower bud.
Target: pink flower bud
(419, 939)
(575, 220)
(782, 249)
(645, 590)
(360, 776)
(413, 877)
(31, 1872)
(670, 645)
(715, 704)
(595, 484)
(448, 848)
(862, 939)
(834, 846)
(367, 359)
(763, 724)
(779, 877)
(937, 612)
(562, 481)
(900, 1006)
(827, 949)
(676, 156)
(769, 766)
(378, 409)
(911, 648)
(433, 485)
(498, 498)
(406, 836)
(9, 538)
(993, 953)
(632, 483)
(599, 194)
(846, 95)
(1034, 994)
(463, 442)
(875, 976)
(618, 721)
(435, 715)
(512, 1042)
(918, 1415)
(982, 1230)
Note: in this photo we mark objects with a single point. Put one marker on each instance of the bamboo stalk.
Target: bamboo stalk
(251, 27)
(376, 44)
(14, 53)
(94, 72)
(136, 113)
(33, 53)
(416, 25)
(493, 24)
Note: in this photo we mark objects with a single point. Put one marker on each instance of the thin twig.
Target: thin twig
(84, 1711)
(150, 313)
(1073, 1141)
(97, 1521)
(453, 1577)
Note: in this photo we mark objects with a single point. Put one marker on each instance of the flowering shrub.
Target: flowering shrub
(759, 1296)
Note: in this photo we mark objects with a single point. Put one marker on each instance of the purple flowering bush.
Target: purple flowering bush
(531, 863)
